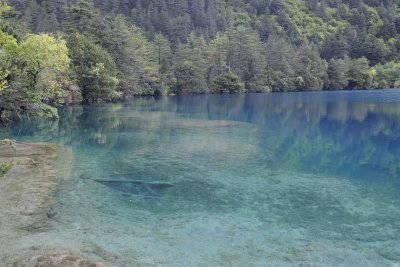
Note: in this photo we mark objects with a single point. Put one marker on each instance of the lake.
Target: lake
(280, 179)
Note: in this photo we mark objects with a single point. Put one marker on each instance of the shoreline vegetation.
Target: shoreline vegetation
(58, 53)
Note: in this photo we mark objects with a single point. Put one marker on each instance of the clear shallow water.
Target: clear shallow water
(310, 179)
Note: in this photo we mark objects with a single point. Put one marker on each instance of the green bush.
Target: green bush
(228, 83)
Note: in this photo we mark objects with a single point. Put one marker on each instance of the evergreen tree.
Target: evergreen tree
(191, 67)
(94, 69)
(135, 58)
(337, 74)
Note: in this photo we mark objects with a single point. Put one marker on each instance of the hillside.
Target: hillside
(106, 50)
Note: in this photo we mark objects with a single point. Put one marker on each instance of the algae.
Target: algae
(7, 166)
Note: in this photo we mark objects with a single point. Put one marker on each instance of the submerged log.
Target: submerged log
(137, 187)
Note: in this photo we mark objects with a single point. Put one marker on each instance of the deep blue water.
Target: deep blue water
(230, 180)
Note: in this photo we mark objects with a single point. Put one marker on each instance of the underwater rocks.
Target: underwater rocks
(208, 146)
(58, 260)
(26, 200)
(173, 120)
(340, 257)
(26, 190)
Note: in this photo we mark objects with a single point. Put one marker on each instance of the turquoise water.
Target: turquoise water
(291, 179)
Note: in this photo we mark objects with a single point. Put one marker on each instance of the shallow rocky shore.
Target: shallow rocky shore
(27, 189)
(26, 199)
(58, 260)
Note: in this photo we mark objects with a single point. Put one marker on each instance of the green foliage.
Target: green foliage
(282, 64)
(9, 142)
(93, 69)
(34, 74)
(350, 73)
(307, 24)
(337, 73)
(239, 51)
(7, 45)
(228, 83)
(84, 18)
(165, 57)
(294, 68)
(3, 82)
(119, 49)
(135, 58)
(4, 7)
(189, 79)
(312, 70)
(164, 53)
(191, 66)
(359, 74)
(7, 166)
(45, 60)
(387, 75)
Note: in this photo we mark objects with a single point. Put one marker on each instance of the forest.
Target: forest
(58, 52)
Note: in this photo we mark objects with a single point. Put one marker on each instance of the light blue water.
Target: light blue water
(291, 179)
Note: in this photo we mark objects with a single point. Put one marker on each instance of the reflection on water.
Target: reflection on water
(235, 180)
(340, 133)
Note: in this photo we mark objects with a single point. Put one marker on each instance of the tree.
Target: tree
(188, 79)
(85, 19)
(43, 55)
(7, 45)
(337, 74)
(3, 82)
(239, 51)
(135, 58)
(4, 7)
(311, 69)
(335, 46)
(190, 67)
(359, 74)
(228, 82)
(165, 61)
(94, 70)
(387, 75)
(282, 62)
(217, 56)
(246, 57)
(164, 53)
(37, 74)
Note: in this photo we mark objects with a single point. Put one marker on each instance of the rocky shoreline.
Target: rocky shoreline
(26, 200)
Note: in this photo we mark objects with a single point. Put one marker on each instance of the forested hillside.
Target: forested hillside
(54, 52)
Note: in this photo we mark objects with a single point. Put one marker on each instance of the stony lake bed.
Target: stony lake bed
(307, 179)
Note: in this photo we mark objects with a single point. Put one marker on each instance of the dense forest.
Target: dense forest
(55, 52)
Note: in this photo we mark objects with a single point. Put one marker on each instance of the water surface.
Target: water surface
(290, 179)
